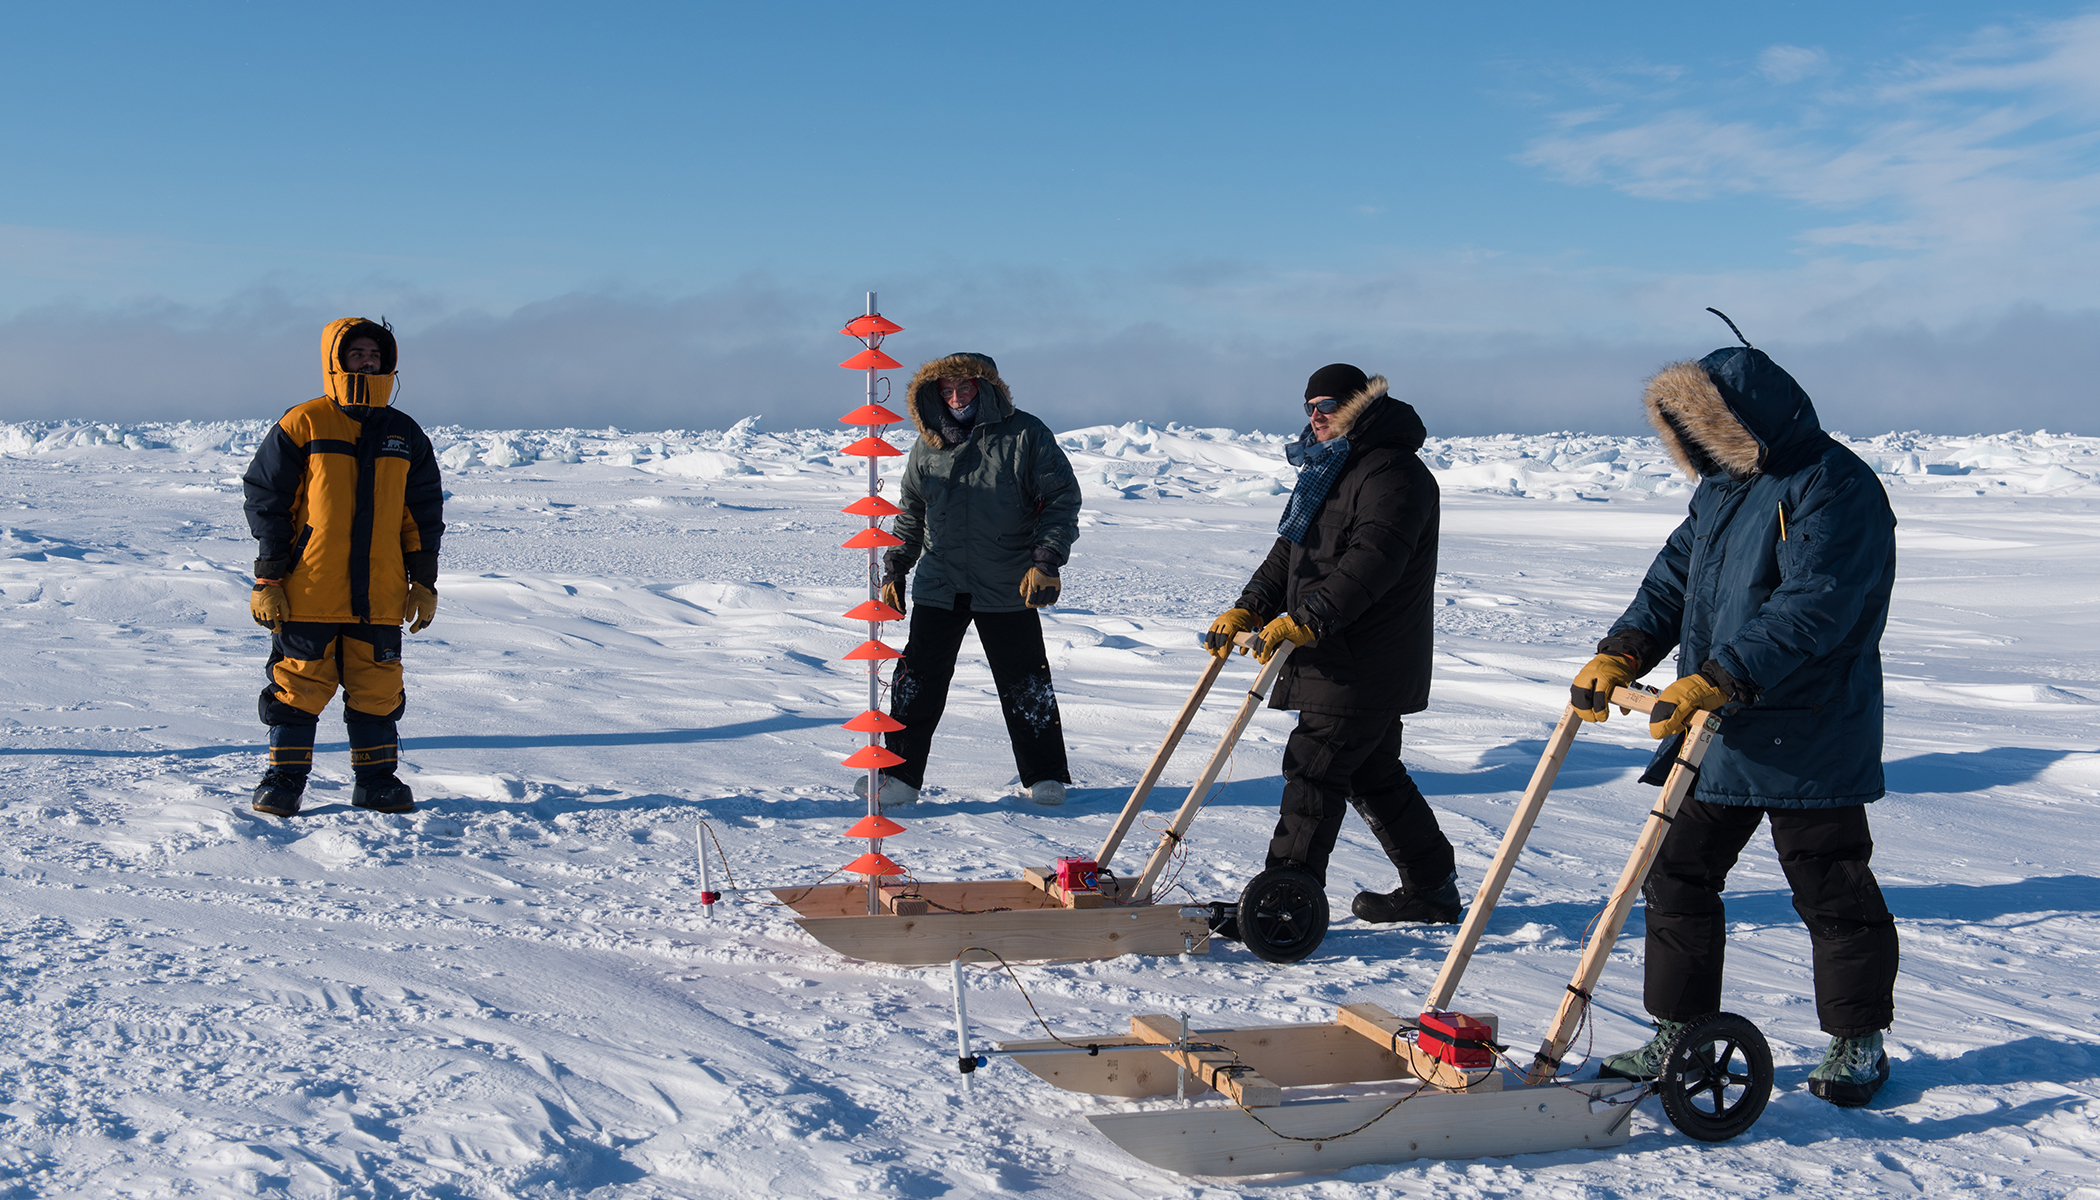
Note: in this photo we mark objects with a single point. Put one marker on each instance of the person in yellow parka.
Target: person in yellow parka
(345, 501)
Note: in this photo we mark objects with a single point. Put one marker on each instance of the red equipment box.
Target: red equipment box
(1078, 874)
(1457, 1039)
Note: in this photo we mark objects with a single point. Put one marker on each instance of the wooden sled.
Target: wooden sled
(1408, 1103)
(1033, 917)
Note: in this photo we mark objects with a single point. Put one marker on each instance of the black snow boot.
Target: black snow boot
(1438, 906)
(383, 793)
(278, 793)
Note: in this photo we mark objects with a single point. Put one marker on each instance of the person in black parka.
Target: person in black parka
(1351, 581)
(1774, 593)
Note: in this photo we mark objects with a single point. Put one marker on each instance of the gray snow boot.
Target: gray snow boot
(278, 793)
(1854, 1068)
(1646, 1062)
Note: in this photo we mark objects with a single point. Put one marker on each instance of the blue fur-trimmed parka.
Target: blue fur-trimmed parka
(1777, 584)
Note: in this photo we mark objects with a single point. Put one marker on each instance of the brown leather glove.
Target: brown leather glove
(1681, 703)
(1594, 683)
(1230, 624)
(422, 607)
(1039, 588)
(266, 603)
(892, 593)
(1283, 629)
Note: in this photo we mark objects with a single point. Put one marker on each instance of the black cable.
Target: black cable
(719, 853)
(1335, 1137)
(1029, 1000)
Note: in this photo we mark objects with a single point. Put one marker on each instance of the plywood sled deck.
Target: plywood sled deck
(1361, 1089)
(1034, 917)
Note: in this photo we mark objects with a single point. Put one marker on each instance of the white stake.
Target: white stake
(962, 1026)
(707, 894)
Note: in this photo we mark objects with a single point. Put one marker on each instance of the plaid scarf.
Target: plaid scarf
(1319, 464)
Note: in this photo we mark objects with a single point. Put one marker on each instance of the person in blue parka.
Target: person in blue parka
(1774, 593)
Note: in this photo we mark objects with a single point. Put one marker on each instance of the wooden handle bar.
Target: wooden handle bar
(1637, 698)
(1136, 803)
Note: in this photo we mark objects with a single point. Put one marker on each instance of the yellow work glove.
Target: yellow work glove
(1232, 623)
(266, 603)
(1273, 635)
(1592, 689)
(422, 607)
(892, 594)
(1681, 703)
(1039, 588)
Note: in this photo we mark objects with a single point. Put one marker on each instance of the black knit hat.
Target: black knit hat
(1339, 380)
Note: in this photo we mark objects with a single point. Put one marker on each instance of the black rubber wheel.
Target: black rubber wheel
(1716, 1077)
(1283, 915)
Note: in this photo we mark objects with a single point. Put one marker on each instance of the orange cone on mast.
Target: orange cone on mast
(869, 330)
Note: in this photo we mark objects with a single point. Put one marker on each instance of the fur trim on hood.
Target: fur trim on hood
(1347, 413)
(995, 401)
(1696, 425)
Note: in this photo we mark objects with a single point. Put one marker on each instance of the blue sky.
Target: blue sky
(657, 215)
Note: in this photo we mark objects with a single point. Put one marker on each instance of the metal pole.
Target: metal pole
(874, 632)
(962, 1026)
(1181, 1069)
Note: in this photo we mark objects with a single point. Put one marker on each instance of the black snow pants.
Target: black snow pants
(1013, 645)
(1824, 852)
(1332, 762)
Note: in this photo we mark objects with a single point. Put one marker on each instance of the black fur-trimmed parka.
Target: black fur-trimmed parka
(1365, 576)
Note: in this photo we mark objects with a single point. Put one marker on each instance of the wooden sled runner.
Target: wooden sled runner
(1385, 1098)
(1035, 917)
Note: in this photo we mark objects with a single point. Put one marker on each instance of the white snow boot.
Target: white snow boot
(1047, 792)
(895, 792)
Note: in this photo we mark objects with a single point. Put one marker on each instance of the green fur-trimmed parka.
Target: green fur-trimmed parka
(981, 505)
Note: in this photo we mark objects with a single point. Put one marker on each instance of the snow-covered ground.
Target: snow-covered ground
(512, 992)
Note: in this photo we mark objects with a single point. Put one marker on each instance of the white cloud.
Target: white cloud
(1965, 183)
(1791, 64)
(2057, 62)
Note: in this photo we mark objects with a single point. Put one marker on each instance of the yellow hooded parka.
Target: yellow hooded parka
(343, 495)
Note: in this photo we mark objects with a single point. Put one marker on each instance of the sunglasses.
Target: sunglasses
(1327, 405)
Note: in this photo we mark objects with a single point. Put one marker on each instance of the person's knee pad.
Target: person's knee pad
(274, 711)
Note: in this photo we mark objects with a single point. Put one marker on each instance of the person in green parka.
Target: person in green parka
(991, 510)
